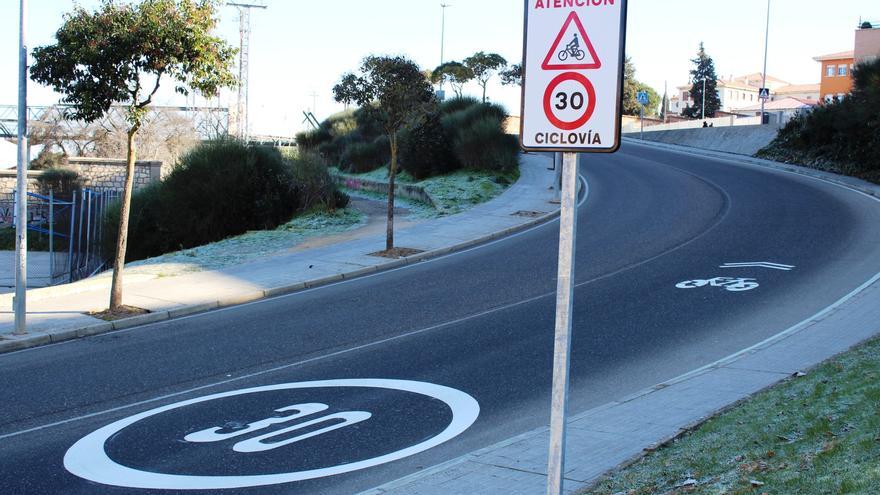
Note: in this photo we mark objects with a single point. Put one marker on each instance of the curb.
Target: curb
(841, 180)
(37, 339)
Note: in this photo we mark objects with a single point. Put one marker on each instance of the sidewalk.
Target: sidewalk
(57, 314)
(616, 434)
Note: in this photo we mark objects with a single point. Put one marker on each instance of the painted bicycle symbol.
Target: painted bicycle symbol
(728, 283)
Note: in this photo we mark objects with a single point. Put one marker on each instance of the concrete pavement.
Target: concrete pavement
(57, 314)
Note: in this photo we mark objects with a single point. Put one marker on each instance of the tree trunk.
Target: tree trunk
(484, 93)
(122, 239)
(392, 174)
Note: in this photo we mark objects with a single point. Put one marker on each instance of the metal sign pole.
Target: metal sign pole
(562, 341)
(21, 172)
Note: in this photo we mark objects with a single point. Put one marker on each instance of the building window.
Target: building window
(841, 70)
(829, 71)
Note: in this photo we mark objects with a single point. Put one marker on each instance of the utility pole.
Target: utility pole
(315, 102)
(244, 31)
(704, 98)
(444, 6)
(665, 101)
(21, 184)
(766, 46)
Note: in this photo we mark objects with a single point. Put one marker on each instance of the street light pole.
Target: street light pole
(766, 45)
(704, 98)
(443, 38)
(21, 184)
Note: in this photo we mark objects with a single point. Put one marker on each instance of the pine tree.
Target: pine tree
(631, 104)
(704, 69)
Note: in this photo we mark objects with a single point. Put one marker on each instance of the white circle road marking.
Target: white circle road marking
(88, 459)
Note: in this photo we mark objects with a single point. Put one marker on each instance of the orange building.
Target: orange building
(836, 75)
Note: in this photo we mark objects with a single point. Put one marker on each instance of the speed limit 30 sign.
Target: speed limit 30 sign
(573, 75)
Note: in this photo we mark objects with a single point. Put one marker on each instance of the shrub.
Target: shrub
(843, 135)
(61, 181)
(315, 186)
(47, 159)
(310, 140)
(483, 145)
(426, 149)
(362, 157)
(218, 190)
(458, 104)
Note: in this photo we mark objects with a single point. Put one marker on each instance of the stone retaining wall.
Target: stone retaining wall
(408, 191)
(742, 140)
(97, 173)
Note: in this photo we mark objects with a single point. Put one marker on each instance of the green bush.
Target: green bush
(310, 140)
(426, 149)
(47, 159)
(315, 186)
(216, 191)
(843, 136)
(362, 157)
(61, 181)
(458, 104)
(483, 145)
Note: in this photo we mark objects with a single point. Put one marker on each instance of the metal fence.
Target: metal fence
(71, 231)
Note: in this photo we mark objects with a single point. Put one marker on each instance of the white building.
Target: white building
(738, 93)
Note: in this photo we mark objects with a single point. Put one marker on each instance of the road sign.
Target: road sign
(764, 94)
(572, 75)
(642, 96)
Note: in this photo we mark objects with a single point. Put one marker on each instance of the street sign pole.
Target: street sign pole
(573, 62)
(642, 120)
(562, 339)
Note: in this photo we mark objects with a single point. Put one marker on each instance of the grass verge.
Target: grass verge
(251, 246)
(815, 434)
(452, 193)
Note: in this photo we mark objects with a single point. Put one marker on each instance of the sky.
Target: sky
(300, 48)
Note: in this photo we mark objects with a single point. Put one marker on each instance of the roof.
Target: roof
(835, 56)
(798, 88)
(783, 104)
(758, 76)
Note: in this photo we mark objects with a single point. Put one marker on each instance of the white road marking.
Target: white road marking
(88, 459)
(760, 264)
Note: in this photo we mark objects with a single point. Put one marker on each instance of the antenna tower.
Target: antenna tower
(244, 31)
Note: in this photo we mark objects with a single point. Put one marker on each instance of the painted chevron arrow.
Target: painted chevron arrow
(760, 264)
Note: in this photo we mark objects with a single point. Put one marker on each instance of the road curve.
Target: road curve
(479, 322)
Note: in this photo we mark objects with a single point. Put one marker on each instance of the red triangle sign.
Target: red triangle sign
(572, 56)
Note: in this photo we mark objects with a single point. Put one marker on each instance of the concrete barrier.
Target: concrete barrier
(742, 140)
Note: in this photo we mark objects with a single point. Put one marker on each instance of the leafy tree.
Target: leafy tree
(704, 69)
(455, 73)
(120, 53)
(654, 99)
(631, 104)
(512, 75)
(484, 66)
(395, 92)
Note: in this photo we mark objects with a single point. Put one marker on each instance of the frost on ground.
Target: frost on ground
(452, 193)
(251, 246)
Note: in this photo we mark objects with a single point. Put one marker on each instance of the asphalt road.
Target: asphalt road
(479, 322)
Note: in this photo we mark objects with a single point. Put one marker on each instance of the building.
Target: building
(836, 75)
(867, 46)
(837, 68)
(738, 93)
(782, 109)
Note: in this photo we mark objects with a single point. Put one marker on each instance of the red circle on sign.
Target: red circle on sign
(591, 106)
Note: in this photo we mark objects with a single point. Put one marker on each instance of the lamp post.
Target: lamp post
(443, 6)
(766, 45)
(21, 184)
(703, 108)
